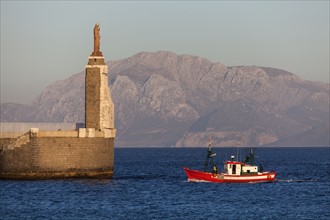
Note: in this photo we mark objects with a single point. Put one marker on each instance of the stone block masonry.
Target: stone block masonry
(98, 101)
(57, 157)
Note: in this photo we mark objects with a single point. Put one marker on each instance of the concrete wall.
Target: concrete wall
(82, 132)
(10, 134)
(51, 157)
(13, 130)
(24, 127)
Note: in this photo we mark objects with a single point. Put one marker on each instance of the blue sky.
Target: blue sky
(42, 42)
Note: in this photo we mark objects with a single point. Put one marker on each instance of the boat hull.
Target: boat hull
(199, 176)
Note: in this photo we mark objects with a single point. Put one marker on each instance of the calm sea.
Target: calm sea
(151, 184)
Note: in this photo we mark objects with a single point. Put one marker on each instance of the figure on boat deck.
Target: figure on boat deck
(209, 158)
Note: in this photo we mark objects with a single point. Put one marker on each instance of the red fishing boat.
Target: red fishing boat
(233, 171)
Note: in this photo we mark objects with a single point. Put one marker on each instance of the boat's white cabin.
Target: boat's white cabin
(233, 167)
(249, 169)
(239, 168)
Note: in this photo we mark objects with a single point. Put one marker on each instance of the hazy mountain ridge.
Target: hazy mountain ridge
(164, 99)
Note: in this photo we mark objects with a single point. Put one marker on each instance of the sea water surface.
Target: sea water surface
(149, 183)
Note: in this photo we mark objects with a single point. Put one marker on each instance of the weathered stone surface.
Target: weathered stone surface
(165, 99)
(98, 102)
(62, 157)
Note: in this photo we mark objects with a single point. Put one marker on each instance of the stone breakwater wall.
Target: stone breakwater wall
(58, 154)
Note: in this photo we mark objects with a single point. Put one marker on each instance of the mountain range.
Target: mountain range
(165, 99)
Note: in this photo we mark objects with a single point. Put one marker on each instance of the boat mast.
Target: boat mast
(209, 156)
(251, 156)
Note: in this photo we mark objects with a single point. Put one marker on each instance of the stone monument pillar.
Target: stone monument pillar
(98, 102)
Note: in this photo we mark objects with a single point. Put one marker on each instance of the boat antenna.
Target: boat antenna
(252, 155)
(210, 141)
(249, 155)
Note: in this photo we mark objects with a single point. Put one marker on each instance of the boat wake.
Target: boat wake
(145, 177)
(198, 181)
(296, 181)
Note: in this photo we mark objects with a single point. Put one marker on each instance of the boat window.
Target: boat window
(234, 169)
(248, 171)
